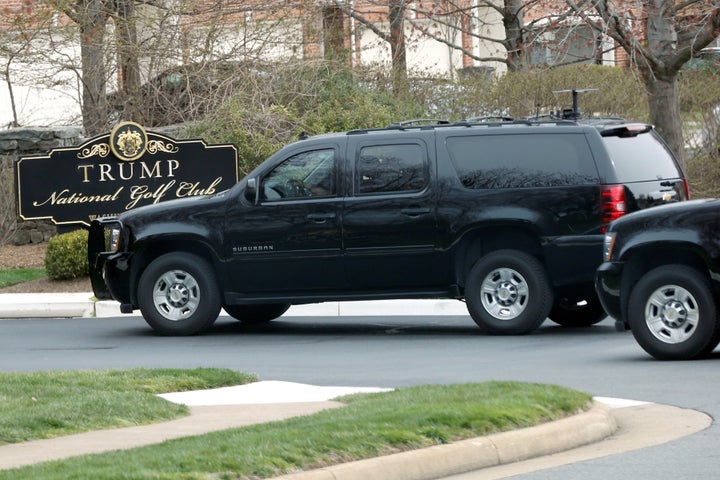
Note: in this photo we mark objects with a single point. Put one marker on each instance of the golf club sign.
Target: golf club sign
(118, 171)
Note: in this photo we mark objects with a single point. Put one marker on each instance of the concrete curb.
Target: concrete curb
(51, 305)
(27, 305)
(474, 454)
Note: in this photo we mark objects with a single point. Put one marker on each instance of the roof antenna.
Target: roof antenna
(574, 114)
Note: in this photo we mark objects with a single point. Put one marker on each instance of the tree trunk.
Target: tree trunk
(397, 46)
(128, 58)
(94, 100)
(664, 111)
(514, 42)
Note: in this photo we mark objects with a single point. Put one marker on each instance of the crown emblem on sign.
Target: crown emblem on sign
(128, 141)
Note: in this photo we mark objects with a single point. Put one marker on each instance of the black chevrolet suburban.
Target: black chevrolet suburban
(507, 216)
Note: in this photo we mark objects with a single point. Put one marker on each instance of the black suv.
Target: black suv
(508, 216)
(661, 278)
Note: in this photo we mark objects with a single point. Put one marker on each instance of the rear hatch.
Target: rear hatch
(646, 172)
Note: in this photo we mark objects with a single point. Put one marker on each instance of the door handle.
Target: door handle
(415, 212)
(320, 217)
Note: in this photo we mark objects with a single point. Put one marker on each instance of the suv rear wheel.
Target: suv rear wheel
(508, 293)
(178, 294)
(672, 313)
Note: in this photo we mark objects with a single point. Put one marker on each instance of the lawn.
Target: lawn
(20, 275)
(370, 425)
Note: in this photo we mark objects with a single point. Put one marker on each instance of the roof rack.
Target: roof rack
(416, 122)
(486, 118)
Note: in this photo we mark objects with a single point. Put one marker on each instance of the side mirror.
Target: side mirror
(251, 190)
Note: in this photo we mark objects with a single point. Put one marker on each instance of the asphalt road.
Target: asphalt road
(403, 351)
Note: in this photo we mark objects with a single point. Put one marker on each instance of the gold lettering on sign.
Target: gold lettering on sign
(142, 192)
(189, 189)
(65, 197)
(128, 170)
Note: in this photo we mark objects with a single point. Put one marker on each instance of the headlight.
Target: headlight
(114, 239)
(608, 245)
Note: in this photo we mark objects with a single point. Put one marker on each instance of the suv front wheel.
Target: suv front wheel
(508, 293)
(672, 313)
(178, 294)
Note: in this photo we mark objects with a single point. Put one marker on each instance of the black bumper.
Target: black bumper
(607, 286)
(109, 272)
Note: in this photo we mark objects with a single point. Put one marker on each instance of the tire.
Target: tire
(672, 313)
(569, 314)
(178, 294)
(508, 293)
(254, 314)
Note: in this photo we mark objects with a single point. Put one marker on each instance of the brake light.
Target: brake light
(687, 189)
(625, 131)
(612, 204)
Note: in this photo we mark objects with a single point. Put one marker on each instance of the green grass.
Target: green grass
(368, 426)
(49, 404)
(20, 275)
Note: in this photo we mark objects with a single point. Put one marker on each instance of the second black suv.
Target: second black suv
(508, 216)
(661, 278)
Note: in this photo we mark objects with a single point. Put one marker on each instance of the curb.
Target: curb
(474, 454)
(68, 305)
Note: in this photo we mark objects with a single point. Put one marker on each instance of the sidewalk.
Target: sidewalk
(36, 305)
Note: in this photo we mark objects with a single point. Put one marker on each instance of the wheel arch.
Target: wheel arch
(478, 242)
(147, 250)
(643, 258)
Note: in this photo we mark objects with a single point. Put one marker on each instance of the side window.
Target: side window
(522, 161)
(390, 168)
(307, 174)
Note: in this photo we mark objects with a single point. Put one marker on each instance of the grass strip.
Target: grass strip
(20, 275)
(370, 425)
(40, 405)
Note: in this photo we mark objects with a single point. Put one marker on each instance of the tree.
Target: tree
(659, 36)
(508, 29)
(22, 30)
(370, 14)
(91, 18)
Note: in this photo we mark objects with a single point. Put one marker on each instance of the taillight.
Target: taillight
(612, 199)
(687, 189)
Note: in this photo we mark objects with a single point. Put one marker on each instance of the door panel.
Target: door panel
(290, 241)
(389, 222)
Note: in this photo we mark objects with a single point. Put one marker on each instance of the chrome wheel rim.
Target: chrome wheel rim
(672, 314)
(176, 295)
(504, 293)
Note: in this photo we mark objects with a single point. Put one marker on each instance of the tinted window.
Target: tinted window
(641, 158)
(307, 174)
(390, 168)
(521, 161)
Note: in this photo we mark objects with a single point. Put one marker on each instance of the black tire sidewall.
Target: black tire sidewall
(210, 302)
(540, 297)
(703, 340)
(578, 316)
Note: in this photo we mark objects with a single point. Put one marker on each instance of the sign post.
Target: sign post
(118, 171)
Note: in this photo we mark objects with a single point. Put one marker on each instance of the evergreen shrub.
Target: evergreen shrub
(66, 256)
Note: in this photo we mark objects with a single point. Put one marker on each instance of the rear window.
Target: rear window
(391, 168)
(522, 160)
(641, 158)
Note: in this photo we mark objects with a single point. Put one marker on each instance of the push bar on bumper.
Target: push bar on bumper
(101, 247)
